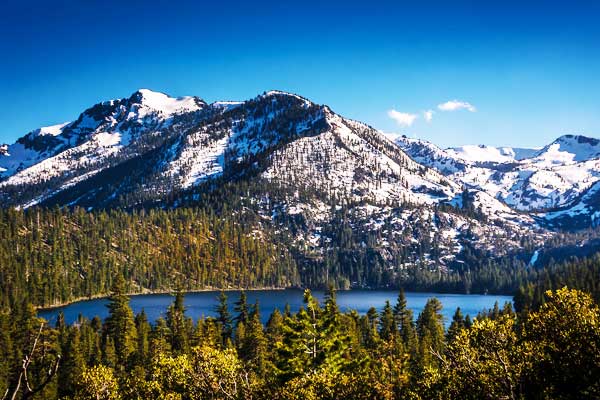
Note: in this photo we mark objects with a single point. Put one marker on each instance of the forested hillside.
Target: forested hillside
(54, 256)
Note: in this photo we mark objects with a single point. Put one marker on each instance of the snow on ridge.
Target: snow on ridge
(509, 178)
(166, 104)
(569, 149)
(226, 105)
(16, 157)
(524, 179)
(271, 93)
(345, 160)
(484, 153)
(53, 130)
(101, 146)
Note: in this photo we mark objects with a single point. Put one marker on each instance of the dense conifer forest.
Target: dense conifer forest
(547, 352)
(548, 347)
(55, 256)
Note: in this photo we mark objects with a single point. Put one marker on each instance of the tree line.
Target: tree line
(319, 352)
(53, 256)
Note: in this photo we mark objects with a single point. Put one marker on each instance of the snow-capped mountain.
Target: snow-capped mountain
(51, 159)
(191, 141)
(299, 166)
(534, 181)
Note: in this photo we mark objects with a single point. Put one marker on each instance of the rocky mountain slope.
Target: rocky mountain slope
(190, 141)
(554, 184)
(338, 192)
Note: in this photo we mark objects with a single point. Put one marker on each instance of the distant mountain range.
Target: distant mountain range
(556, 184)
(307, 173)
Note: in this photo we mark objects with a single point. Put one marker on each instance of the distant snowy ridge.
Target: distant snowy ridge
(296, 165)
(486, 154)
(530, 180)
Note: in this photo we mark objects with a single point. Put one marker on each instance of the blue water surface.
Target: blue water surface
(201, 304)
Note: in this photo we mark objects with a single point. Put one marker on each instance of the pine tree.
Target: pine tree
(6, 350)
(224, 319)
(430, 328)
(254, 347)
(387, 323)
(178, 325)
(73, 363)
(144, 329)
(274, 327)
(406, 326)
(109, 353)
(458, 323)
(370, 333)
(159, 339)
(241, 308)
(120, 324)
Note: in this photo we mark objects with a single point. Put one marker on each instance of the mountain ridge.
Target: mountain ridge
(552, 177)
(336, 191)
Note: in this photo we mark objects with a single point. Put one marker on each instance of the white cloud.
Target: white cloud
(402, 119)
(428, 115)
(454, 105)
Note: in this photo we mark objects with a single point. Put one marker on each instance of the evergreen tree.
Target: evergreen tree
(254, 347)
(457, 324)
(120, 324)
(241, 308)
(387, 323)
(274, 329)
(370, 333)
(159, 339)
(144, 330)
(73, 363)
(404, 320)
(430, 328)
(224, 318)
(179, 327)
(109, 352)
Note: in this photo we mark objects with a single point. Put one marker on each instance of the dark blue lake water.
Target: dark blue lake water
(203, 303)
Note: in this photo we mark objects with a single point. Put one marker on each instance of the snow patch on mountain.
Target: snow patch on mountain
(156, 101)
(524, 179)
(568, 149)
(483, 153)
(53, 130)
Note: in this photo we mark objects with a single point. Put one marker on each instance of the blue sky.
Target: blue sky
(530, 70)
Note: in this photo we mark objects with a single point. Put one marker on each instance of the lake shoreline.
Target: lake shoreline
(171, 291)
(147, 292)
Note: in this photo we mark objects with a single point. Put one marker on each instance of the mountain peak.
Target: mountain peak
(166, 104)
(283, 94)
(570, 148)
(580, 139)
(53, 130)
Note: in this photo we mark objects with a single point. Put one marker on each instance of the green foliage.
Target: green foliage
(54, 256)
(97, 383)
(180, 327)
(565, 335)
(224, 319)
(120, 326)
(316, 353)
(430, 328)
(487, 360)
